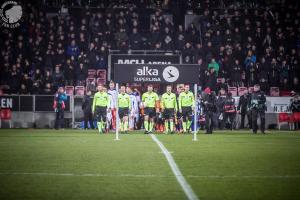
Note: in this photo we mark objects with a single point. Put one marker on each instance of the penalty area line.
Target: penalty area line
(176, 171)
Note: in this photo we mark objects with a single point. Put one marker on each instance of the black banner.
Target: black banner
(143, 59)
(10, 102)
(25, 103)
(150, 73)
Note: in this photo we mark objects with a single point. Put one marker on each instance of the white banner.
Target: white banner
(275, 104)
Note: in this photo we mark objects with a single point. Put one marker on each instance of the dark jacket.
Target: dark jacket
(209, 102)
(87, 104)
(243, 103)
(258, 101)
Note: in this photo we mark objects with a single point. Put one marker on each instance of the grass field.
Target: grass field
(76, 164)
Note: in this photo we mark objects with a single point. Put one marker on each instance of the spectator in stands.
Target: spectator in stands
(81, 74)
(69, 73)
(295, 85)
(135, 39)
(180, 38)
(222, 85)
(213, 64)
(27, 82)
(73, 49)
(23, 90)
(58, 77)
(235, 74)
(274, 73)
(187, 53)
(14, 79)
(48, 90)
(211, 79)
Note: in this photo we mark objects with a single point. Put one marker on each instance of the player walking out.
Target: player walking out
(169, 107)
(133, 116)
(124, 108)
(101, 105)
(186, 103)
(111, 117)
(149, 100)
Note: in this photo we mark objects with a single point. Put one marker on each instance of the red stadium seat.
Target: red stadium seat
(100, 81)
(274, 92)
(90, 81)
(285, 93)
(69, 90)
(233, 91)
(5, 115)
(241, 90)
(285, 117)
(79, 90)
(92, 73)
(101, 73)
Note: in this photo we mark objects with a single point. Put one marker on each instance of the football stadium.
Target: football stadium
(149, 99)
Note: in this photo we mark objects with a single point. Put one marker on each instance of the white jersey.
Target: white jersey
(113, 94)
(134, 103)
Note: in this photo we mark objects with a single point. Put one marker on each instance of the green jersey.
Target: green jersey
(124, 101)
(186, 99)
(168, 100)
(149, 99)
(101, 99)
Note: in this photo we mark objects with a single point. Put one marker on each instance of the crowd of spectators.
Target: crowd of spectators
(240, 46)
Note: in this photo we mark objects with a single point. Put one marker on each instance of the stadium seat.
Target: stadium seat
(274, 92)
(101, 73)
(69, 90)
(92, 73)
(79, 90)
(285, 93)
(241, 90)
(90, 81)
(233, 91)
(5, 115)
(100, 81)
(219, 80)
(285, 117)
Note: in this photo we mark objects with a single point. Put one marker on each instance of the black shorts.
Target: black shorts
(168, 113)
(186, 112)
(150, 112)
(123, 112)
(100, 113)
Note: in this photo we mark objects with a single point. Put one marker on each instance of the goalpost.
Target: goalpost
(160, 73)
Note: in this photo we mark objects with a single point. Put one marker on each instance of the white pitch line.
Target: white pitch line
(176, 171)
(81, 175)
(151, 175)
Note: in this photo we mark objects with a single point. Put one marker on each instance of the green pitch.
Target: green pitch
(77, 164)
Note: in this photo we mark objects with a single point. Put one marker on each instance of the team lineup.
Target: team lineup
(151, 106)
(172, 111)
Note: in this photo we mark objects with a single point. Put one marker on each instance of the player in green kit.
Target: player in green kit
(149, 100)
(186, 103)
(169, 108)
(101, 105)
(124, 108)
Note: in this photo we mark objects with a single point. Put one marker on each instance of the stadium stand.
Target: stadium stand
(245, 42)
